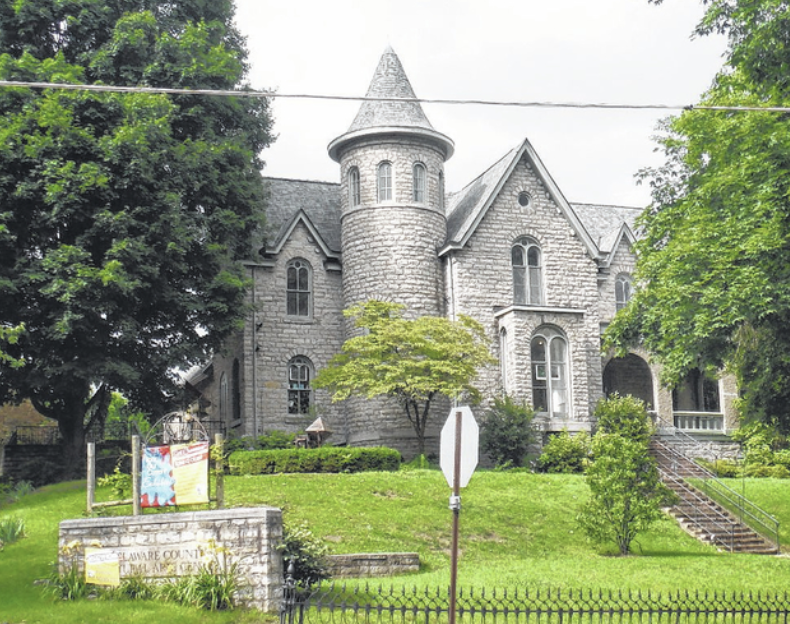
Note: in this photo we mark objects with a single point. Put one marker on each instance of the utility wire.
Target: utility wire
(306, 96)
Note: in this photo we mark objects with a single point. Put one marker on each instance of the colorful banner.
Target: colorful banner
(190, 470)
(157, 481)
(102, 567)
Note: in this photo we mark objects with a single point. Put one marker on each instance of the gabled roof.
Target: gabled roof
(608, 225)
(316, 205)
(466, 209)
(394, 111)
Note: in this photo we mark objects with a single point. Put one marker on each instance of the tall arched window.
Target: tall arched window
(353, 187)
(224, 397)
(384, 182)
(550, 385)
(622, 290)
(441, 190)
(527, 273)
(418, 185)
(236, 382)
(299, 288)
(299, 375)
(503, 358)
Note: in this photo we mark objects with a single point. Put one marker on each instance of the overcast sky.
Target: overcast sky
(614, 51)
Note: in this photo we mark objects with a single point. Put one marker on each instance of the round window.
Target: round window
(524, 199)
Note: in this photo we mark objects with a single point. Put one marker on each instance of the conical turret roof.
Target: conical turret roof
(391, 112)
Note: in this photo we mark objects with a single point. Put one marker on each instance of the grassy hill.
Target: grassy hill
(517, 530)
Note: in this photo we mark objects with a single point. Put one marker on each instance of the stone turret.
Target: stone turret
(392, 226)
(392, 186)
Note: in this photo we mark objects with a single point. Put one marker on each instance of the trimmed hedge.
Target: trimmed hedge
(324, 459)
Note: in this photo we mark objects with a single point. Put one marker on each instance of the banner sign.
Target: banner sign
(175, 475)
(190, 471)
(102, 567)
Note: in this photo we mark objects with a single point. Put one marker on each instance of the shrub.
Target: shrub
(119, 483)
(324, 459)
(70, 585)
(267, 442)
(724, 468)
(507, 432)
(307, 553)
(11, 530)
(625, 416)
(565, 453)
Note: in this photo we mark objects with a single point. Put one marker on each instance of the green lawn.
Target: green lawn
(517, 530)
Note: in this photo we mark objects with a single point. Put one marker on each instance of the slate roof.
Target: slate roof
(288, 200)
(604, 222)
(390, 81)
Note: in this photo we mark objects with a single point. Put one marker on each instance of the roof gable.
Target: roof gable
(467, 208)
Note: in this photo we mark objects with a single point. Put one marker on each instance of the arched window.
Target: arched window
(503, 358)
(299, 374)
(441, 190)
(384, 182)
(224, 397)
(353, 187)
(550, 386)
(418, 185)
(527, 277)
(622, 290)
(299, 288)
(236, 381)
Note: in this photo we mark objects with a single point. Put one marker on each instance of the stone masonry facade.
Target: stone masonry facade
(544, 277)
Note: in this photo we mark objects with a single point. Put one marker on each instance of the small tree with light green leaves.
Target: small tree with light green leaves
(411, 360)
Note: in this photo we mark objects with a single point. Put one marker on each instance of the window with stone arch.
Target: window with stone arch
(300, 372)
(299, 288)
(503, 369)
(550, 372)
(384, 182)
(527, 272)
(354, 198)
(622, 290)
(224, 398)
(418, 184)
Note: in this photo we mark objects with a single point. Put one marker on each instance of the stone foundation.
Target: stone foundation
(363, 565)
(168, 545)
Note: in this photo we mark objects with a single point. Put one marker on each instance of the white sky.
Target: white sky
(615, 51)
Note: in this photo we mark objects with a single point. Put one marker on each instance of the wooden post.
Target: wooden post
(219, 467)
(136, 504)
(91, 476)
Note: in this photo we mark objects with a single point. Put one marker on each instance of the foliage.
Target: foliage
(120, 483)
(626, 495)
(11, 530)
(270, 441)
(507, 432)
(410, 360)
(122, 422)
(306, 553)
(11, 492)
(625, 416)
(324, 459)
(10, 335)
(211, 588)
(713, 271)
(722, 468)
(123, 216)
(565, 453)
(69, 585)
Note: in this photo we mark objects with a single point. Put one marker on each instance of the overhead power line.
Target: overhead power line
(313, 96)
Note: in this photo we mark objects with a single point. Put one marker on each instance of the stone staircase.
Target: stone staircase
(698, 512)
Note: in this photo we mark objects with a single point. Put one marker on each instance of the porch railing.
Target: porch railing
(699, 421)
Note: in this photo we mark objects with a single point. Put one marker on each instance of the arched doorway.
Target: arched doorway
(629, 375)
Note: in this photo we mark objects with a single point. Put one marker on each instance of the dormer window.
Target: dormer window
(384, 182)
(353, 187)
(622, 290)
(418, 185)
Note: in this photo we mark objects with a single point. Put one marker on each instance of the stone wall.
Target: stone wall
(169, 545)
(363, 565)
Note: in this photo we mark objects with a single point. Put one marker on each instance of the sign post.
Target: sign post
(458, 459)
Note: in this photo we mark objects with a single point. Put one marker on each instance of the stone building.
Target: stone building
(543, 276)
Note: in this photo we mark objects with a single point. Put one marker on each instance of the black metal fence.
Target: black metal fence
(388, 605)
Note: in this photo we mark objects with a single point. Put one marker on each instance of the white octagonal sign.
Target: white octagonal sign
(470, 436)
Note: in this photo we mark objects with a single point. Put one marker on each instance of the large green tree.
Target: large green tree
(714, 262)
(411, 360)
(122, 216)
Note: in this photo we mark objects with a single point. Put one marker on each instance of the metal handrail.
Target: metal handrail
(737, 503)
